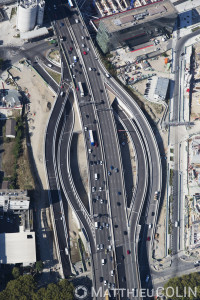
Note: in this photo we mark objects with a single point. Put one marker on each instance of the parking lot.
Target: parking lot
(9, 223)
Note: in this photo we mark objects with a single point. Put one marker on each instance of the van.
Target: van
(96, 225)
(49, 65)
(95, 176)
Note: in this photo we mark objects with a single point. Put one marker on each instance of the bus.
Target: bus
(70, 3)
(81, 89)
(91, 137)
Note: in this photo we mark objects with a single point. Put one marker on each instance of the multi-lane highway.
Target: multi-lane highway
(115, 238)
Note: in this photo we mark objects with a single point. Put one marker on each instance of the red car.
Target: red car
(70, 48)
(128, 251)
(84, 52)
(77, 88)
(148, 238)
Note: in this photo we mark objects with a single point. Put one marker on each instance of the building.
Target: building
(136, 26)
(30, 13)
(15, 201)
(161, 88)
(18, 248)
(10, 128)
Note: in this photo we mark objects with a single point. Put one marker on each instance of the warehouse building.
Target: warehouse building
(136, 26)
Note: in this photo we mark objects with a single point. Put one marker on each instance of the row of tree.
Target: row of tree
(186, 287)
(25, 288)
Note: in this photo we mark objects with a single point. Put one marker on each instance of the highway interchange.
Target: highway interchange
(118, 239)
(98, 114)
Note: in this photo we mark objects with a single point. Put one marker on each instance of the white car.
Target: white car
(105, 282)
(98, 247)
(176, 224)
(149, 225)
(90, 69)
(107, 75)
(100, 189)
(93, 189)
(85, 128)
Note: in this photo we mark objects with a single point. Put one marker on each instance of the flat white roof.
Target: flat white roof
(33, 33)
(18, 247)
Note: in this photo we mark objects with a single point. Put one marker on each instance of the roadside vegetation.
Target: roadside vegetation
(56, 76)
(25, 287)
(182, 285)
(15, 162)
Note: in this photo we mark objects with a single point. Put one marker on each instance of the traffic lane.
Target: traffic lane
(46, 77)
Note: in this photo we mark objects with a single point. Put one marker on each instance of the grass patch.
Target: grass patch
(195, 29)
(56, 76)
(15, 162)
(171, 177)
(171, 158)
(171, 150)
(13, 12)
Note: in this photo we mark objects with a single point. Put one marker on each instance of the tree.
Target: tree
(183, 287)
(22, 288)
(15, 272)
(39, 266)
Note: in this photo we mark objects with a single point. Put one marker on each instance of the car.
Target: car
(93, 69)
(101, 91)
(118, 203)
(101, 279)
(153, 213)
(84, 52)
(98, 247)
(176, 224)
(101, 162)
(116, 170)
(89, 150)
(119, 193)
(107, 75)
(70, 48)
(95, 163)
(87, 116)
(85, 128)
(105, 282)
(104, 224)
(94, 200)
(93, 189)
(82, 37)
(96, 58)
(124, 279)
(98, 73)
(111, 167)
(116, 226)
(88, 49)
(62, 24)
(147, 279)
(113, 285)
(83, 45)
(122, 257)
(101, 201)
(125, 232)
(90, 69)
(100, 189)
(109, 285)
(150, 225)
(98, 197)
(109, 173)
(148, 238)
(111, 258)
(109, 238)
(107, 225)
(100, 227)
(101, 246)
(128, 252)
(91, 163)
(1, 217)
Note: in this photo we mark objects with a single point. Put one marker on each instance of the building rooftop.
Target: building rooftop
(161, 88)
(10, 128)
(137, 16)
(18, 247)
